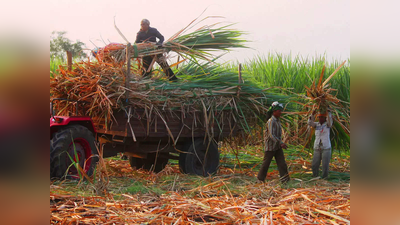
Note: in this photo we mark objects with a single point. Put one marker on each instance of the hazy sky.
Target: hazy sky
(308, 28)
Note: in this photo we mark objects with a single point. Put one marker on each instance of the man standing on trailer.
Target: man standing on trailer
(274, 145)
(149, 34)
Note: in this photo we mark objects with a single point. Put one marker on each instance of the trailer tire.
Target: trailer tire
(136, 163)
(182, 162)
(199, 160)
(182, 156)
(65, 143)
(148, 163)
(162, 161)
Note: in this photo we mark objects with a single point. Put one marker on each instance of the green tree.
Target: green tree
(60, 44)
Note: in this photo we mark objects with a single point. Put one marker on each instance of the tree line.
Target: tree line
(59, 45)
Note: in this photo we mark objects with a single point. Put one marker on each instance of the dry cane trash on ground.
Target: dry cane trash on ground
(212, 200)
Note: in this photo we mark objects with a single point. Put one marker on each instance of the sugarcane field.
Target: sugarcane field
(160, 131)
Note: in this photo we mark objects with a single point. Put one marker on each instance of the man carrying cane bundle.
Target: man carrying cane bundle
(322, 144)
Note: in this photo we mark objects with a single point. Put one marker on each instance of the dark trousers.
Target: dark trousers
(162, 62)
(280, 161)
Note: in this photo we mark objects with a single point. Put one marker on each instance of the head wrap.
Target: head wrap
(94, 51)
(275, 106)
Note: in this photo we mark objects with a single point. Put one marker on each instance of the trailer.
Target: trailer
(149, 140)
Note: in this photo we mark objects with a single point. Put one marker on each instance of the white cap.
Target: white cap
(277, 103)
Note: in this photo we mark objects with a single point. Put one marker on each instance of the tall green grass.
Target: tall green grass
(54, 64)
(293, 74)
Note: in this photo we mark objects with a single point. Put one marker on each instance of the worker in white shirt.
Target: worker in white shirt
(322, 144)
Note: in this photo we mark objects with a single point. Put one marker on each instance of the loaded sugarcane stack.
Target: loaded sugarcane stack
(209, 89)
(205, 88)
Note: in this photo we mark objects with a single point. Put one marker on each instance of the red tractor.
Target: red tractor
(72, 142)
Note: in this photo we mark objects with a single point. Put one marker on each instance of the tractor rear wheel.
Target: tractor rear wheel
(69, 147)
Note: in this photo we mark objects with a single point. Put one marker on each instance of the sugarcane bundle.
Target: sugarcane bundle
(320, 96)
(116, 52)
(197, 44)
(204, 40)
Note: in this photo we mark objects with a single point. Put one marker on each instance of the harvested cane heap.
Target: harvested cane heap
(206, 87)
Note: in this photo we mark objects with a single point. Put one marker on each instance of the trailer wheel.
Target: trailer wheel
(182, 156)
(75, 142)
(148, 163)
(182, 162)
(199, 160)
(136, 163)
(162, 161)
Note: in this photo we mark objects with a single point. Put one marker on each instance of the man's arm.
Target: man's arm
(311, 122)
(329, 119)
(159, 36)
(137, 38)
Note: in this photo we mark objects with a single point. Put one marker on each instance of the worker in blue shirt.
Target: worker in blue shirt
(151, 34)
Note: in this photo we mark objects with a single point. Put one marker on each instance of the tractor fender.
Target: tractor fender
(58, 122)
